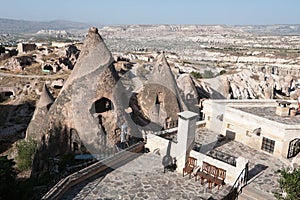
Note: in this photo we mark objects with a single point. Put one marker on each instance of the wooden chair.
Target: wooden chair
(205, 173)
(190, 164)
(220, 178)
(206, 167)
(214, 172)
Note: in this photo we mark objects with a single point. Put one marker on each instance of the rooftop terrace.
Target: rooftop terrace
(143, 178)
(270, 114)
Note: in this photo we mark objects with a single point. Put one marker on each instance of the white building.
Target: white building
(261, 124)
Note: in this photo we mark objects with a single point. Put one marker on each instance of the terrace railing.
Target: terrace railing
(222, 156)
(237, 187)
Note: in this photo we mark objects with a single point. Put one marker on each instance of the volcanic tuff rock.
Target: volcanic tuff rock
(90, 107)
(40, 113)
(188, 91)
(248, 84)
(160, 99)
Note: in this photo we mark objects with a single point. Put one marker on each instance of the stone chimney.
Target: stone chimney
(283, 108)
(185, 135)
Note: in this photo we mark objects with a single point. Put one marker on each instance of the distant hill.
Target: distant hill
(12, 26)
(277, 29)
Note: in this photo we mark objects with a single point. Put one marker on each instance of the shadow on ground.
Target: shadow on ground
(257, 169)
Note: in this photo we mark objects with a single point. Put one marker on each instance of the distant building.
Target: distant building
(26, 47)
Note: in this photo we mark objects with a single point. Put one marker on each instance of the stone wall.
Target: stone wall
(157, 144)
(26, 47)
(232, 172)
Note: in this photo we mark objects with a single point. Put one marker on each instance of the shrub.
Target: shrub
(222, 72)
(196, 74)
(289, 183)
(208, 74)
(26, 149)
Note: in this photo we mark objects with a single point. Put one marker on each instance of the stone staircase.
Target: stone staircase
(251, 193)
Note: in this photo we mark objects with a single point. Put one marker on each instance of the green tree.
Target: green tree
(289, 185)
(26, 149)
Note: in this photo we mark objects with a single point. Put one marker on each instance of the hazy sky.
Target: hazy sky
(230, 12)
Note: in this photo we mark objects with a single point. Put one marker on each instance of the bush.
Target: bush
(289, 183)
(222, 72)
(26, 149)
(208, 74)
(196, 74)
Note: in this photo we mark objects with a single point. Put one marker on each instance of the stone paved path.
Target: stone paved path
(143, 178)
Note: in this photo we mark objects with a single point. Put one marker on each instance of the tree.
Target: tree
(289, 185)
(26, 149)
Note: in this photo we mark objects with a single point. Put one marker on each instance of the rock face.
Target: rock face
(160, 100)
(249, 84)
(18, 63)
(40, 113)
(188, 91)
(89, 109)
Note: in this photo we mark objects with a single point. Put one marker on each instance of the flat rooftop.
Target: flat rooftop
(270, 114)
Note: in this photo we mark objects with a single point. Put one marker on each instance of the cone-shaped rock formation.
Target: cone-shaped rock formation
(160, 100)
(39, 115)
(90, 107)
(188, 91)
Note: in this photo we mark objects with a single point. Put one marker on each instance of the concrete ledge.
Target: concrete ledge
(65, 184)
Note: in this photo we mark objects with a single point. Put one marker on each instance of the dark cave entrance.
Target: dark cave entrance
(102, 110)
(48, 67)
(5, 95)
(103, 105)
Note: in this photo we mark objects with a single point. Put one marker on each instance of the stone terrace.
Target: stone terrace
(262, 166)
(143, 178)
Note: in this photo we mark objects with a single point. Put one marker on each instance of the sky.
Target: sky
(115, 12)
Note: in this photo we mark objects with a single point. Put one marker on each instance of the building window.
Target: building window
(268, 145)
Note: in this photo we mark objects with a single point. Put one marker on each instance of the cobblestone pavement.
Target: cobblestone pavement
(143, 178)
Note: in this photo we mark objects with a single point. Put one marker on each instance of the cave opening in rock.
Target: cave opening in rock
(48, 67)
(5, 95)
(103, 105)
(8, 94)
(159, 98)
(57, 86)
